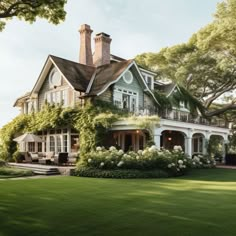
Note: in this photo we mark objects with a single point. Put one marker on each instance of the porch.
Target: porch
(193, 138)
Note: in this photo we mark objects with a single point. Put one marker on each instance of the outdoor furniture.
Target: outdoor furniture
(45, 161)
(26, 157)
(61, 158)
(34, 157)
(72, 158)
(49, 155)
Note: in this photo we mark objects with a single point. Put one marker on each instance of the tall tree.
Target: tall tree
(206, 64)
(29, 10)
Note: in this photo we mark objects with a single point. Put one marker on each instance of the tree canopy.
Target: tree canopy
(206, 64)
(29, 10)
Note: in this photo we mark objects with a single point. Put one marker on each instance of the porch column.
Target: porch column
(224, 143)
(205, 143)
(36, 147)
(157, 140)
(188, 146)
(69, 140)
(47, 142)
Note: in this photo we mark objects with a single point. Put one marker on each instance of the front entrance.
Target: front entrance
(170, 138)
(130, 140)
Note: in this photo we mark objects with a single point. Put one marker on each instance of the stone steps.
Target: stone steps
(38, 169)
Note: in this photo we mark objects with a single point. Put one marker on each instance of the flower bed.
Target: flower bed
(145, 163)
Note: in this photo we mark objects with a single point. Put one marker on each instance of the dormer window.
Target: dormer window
(149, 81)
(54, 78)
(181, 103)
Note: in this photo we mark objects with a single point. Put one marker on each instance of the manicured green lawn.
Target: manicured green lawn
(202, 204)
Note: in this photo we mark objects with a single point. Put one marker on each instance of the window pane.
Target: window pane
(31, 147)
(65, 143)
(52, 144)
(58, 143)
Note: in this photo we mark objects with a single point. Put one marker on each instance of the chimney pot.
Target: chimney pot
(102, 49)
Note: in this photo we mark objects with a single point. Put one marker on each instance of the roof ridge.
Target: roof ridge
(50, 55)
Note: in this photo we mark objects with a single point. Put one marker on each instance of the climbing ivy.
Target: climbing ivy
(92, 123)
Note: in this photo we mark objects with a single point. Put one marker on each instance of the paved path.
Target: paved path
(32, 177)
(226, 167)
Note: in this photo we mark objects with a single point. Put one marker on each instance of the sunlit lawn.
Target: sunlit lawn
(202, 203)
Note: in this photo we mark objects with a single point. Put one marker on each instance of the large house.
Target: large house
(101, 75)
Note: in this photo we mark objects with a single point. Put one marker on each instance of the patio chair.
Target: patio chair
(27, 157)
(34, 156)
(49, 155)
(62, 158)
(72, 158)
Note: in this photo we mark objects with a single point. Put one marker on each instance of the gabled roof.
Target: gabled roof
(106, 75)
(116, 58)
(22, 98)
(78, 75)
(167, 89)
(93, 81)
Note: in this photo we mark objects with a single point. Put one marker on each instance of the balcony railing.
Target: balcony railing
(175, 115)
(195, 120)
(182, 117)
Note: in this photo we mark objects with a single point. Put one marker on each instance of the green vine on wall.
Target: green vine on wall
(92, 123)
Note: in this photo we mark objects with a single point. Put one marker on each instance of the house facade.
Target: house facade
(109, 78)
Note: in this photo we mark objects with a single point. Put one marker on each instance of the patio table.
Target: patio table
(45, 161)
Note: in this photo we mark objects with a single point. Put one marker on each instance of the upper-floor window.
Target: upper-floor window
(30, 106)
(183, 104)
(149, 80)
(126, 99)
(57, 97)
(55, 79)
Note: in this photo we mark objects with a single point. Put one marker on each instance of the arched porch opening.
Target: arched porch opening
(128, 140)
(216, 147)
(171, 138)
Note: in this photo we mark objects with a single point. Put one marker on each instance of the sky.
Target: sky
(135, 27)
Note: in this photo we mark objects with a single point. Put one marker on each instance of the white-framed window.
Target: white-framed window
(57, 97)
(52, 144)
(31, 147)
(126, 99)
(65, 143)
(183, 104)
(59, 144)
(149, 79)
(31, 106)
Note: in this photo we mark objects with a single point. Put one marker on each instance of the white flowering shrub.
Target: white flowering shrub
(148, 163)
(174, 162)
(202, 161)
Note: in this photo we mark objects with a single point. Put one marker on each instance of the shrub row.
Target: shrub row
(121, 174)
(147, 163)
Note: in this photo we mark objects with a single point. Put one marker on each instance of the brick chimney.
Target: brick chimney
(85, 55)
(102, 49)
